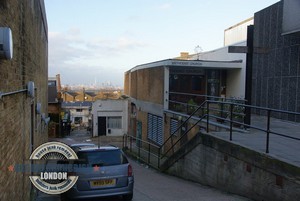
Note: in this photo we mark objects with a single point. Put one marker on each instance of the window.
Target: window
(102, 158)
(78, 110)
(52, 83)
(114, 122)
(155, 128)
(196, 83)
(173, 126)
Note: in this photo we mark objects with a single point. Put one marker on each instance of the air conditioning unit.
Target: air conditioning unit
(6, 43)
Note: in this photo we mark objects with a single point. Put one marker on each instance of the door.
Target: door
(101, 126)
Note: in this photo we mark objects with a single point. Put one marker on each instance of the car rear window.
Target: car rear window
(102, 157)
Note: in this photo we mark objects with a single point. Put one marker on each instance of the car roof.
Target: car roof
(96, 148)
(82, 144)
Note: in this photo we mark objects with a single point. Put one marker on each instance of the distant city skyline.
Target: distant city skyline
(93, 86)
(103, 39)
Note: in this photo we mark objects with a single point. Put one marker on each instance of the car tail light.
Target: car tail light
(130, 171)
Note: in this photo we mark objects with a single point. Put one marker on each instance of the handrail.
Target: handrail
(230, 111)
(206, 96)
(268, 130)
(255, 107)
(185, 133)
(152, 144)
(140, 156)
(184, 123)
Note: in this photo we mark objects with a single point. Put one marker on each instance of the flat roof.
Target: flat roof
(204, 64)
(77, 104)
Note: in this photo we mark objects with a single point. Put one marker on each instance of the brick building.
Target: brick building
(22, 125)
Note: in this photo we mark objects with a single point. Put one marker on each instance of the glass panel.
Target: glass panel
(115, 122)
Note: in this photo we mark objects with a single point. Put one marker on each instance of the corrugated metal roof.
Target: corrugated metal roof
(76, 104)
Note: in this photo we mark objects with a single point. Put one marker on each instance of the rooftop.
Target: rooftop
(235, 64)
(77, 104)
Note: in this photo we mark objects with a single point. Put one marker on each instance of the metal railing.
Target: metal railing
(211, 111)
(266, 130)
(179, 127)
(146, 152)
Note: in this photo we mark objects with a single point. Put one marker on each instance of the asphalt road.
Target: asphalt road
(151, 185)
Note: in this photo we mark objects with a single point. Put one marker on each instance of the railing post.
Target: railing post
(231, 118)
(130, 143)
(187, 108)
(268, 131)
(207, 117)
(139, 148)
(158, 159)
(123, 144)
(149, 154)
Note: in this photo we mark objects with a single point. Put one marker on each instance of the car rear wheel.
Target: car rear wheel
(127, 197)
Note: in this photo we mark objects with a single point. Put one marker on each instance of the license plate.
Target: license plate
(103, 183)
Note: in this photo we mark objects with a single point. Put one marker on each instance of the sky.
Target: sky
(97, 41)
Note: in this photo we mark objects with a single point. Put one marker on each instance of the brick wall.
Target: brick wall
(18, 118)
(150, 85)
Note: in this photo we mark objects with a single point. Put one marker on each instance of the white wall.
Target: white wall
(236, 77)
(237, 33)
(110, 108)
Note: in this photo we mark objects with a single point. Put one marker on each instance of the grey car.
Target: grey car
(106, 172)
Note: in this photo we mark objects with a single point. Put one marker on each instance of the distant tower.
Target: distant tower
(83, 94)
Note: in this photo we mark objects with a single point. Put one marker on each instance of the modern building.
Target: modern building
(110, 117)
(23, 92)
(158, 87)
(276, 71)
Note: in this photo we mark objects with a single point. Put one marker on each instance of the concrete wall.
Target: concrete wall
(238, 170)
(30, 63)
(110, 108)
(276, 74)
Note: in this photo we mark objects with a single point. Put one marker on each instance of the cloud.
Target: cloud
(77, 57)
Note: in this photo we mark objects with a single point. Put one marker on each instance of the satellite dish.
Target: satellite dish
(6, 43)
(30, 89)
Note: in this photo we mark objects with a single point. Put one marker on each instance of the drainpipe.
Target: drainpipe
(249, 64)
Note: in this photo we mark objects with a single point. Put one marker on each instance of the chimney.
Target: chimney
(184, 55)
(58, 83)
